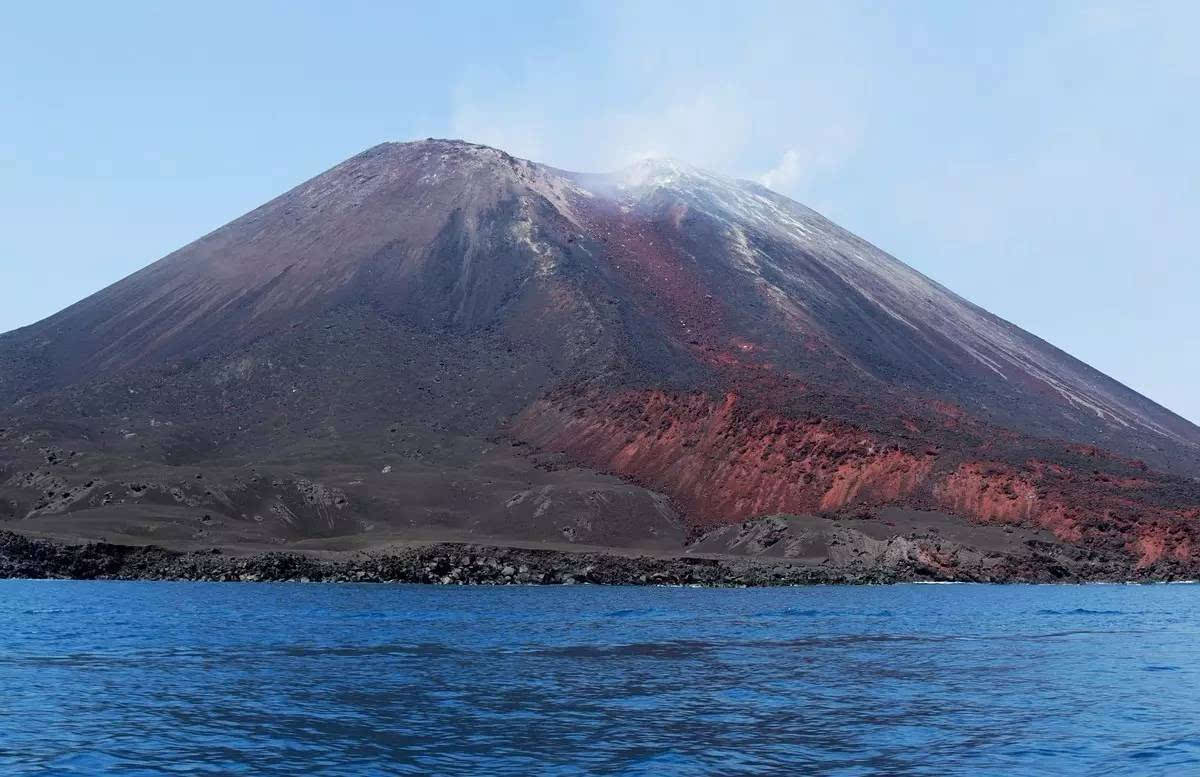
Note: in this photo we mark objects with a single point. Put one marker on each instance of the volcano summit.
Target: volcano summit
(436, 341)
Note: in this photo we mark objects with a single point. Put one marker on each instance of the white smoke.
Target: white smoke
(735, 93)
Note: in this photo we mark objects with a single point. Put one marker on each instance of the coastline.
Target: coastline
(471, 564)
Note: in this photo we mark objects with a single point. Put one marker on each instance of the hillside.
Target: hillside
(436, 341)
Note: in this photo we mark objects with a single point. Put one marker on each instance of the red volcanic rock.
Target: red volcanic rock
(438, 340)
(990, 492)
(723, 460)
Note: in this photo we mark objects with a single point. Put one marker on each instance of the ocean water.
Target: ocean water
(195, 678)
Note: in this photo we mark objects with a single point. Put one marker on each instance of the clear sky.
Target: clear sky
(1041, 159)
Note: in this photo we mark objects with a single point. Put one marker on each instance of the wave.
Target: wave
(630, 613)
(795, 612)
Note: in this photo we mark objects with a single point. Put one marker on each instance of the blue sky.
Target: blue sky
(1039, 158)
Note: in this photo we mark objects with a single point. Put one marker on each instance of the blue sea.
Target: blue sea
(102, 678)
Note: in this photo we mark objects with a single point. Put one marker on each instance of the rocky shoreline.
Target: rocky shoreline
(452, 563)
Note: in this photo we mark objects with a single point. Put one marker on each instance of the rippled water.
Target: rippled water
(195, 678)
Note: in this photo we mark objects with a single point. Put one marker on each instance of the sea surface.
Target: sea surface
(102, 678)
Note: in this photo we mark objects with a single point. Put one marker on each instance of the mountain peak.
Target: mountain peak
(662, 171)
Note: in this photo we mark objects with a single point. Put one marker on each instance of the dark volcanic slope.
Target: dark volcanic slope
(437, 340)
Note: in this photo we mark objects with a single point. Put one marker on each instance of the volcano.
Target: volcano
(436, 341)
